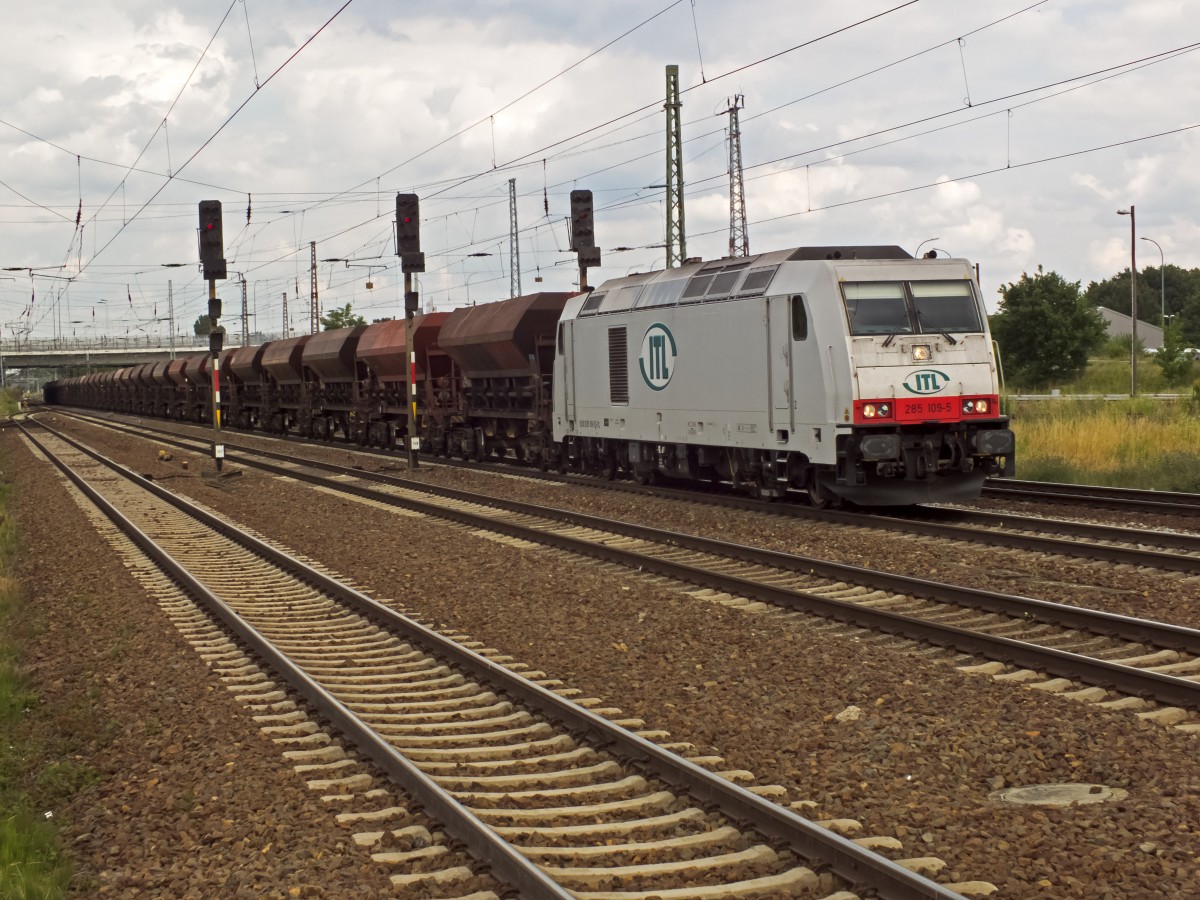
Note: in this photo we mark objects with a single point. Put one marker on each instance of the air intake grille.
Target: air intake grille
(618, 366)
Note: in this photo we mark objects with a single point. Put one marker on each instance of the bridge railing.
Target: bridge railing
(102, 342)
(183, 343)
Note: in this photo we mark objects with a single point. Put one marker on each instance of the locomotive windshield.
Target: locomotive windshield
(877, 307)
(945, 305)
(907, 307)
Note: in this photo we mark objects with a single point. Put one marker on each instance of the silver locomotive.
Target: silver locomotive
(854, 373)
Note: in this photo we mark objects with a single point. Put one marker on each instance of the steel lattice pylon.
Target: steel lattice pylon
(514, 252)
(676, 233)
(314, 311)
(739, 236)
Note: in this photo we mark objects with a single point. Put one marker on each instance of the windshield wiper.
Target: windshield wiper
(925, 324)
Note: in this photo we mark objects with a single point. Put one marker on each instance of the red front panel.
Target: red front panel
(922, 409)
(906, 410)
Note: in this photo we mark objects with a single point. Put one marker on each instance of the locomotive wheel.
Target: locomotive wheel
(610, 468)
(819, 496)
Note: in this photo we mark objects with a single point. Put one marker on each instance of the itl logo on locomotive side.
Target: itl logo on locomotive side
(926, 381)
(657, 358)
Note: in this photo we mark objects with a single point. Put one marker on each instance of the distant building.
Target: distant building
(1119, 324)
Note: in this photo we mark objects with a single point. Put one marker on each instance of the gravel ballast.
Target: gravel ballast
(920, 762)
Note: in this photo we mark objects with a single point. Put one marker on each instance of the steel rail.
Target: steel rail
(1163, 688)
(1112, 624)
(923, 522)
(848, 860)
(507, 863)
(1171, 502)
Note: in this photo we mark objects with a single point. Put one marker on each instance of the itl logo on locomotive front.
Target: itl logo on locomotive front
(926, 381)
(657, 358)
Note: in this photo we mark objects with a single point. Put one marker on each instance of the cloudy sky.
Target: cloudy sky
(1007, 132)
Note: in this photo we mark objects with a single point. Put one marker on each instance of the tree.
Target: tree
(1045, 329)
(202, 325)
(1175, 364)
(1182, 287)
(341, 318)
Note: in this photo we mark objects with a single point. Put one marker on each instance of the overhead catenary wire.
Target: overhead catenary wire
(482, 237)
(82, 267)
(226, 122)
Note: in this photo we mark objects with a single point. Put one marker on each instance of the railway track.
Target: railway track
(556, 799)
(1171, 551)
(1131, 499)
(1089, 655)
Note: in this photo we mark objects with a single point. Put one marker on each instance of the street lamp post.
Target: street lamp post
(1162, 280)
(1132, 289)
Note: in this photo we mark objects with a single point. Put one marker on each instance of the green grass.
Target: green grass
(1148, 443)
(31, 867)
(10, 399)
(31, 863)
(1110, 374)
(1144, 443)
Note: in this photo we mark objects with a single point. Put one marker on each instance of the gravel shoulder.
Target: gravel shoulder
(182, 794)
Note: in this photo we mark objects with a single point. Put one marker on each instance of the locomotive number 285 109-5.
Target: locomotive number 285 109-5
(927, 408)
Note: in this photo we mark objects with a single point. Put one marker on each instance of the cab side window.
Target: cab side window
(799, 319)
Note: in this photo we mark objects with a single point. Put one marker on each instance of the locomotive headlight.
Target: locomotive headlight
(920, 352)
(884, 410)
(868, 411)
(981, 406)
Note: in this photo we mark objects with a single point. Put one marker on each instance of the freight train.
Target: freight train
(855, 374)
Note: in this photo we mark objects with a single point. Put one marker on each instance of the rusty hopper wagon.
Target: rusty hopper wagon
(505, 352)
(383, 394)
(285, 389)
(332, 376)
(247, 386)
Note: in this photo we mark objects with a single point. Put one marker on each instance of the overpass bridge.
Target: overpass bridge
(57, 355)
(45, 355)
(106, 352)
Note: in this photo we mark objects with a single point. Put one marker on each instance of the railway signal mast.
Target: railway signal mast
(212, 259)
(408, 248)
(583, 234)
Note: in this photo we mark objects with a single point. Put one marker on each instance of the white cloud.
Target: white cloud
(372, 105)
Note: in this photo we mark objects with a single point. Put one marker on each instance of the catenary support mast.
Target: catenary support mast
(314, 308)
(739, 236)
(676, 233)
(514, 251)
